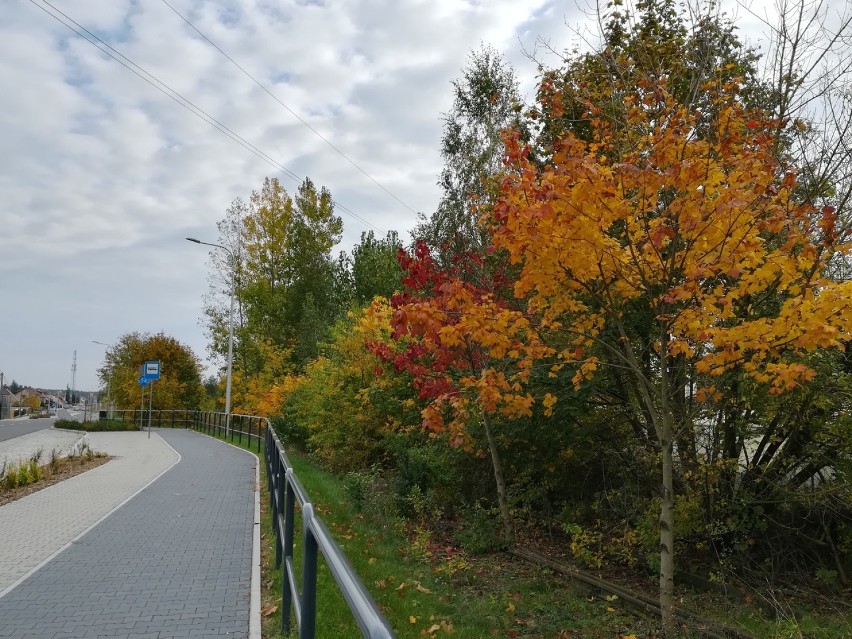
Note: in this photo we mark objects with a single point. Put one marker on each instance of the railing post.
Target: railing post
(289, 511)
(279, 509)
(309, 576)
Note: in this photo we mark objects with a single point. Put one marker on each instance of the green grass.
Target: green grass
(426, 588)
(786, 623)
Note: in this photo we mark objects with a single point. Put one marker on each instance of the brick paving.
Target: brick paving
(36, 527)
(174, 561)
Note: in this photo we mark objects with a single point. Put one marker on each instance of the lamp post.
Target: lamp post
(109, 377)
(230, 332)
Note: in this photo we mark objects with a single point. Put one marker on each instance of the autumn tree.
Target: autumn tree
(468, 353)
(278, 259)
(179, 386)
(287, 243)
(801, 85)
(703, 235)
(344, 402)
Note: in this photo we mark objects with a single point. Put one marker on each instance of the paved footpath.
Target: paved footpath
(176, 560)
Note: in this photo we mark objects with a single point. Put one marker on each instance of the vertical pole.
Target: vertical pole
(278, 509)
(307, 629)
(142, 411)
(286, 594)
(150, 403)
(230, 346)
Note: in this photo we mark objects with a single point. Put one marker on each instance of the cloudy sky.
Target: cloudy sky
(102, 175)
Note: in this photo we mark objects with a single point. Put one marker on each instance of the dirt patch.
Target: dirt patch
(65, 469)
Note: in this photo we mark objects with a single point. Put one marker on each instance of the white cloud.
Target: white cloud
(102, 176)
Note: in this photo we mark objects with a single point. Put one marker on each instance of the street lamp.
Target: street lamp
(230, 333)
(109, 377)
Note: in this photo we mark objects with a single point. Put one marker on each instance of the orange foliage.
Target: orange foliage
(706, 230)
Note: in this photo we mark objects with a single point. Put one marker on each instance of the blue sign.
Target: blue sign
(152, 371)
(144, 381)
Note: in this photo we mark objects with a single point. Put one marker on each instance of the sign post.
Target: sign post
(151, 374)
(143, 382)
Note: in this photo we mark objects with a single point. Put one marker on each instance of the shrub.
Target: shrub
(105, 425)
(479, 530)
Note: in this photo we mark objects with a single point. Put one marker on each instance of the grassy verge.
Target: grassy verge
(427, 588)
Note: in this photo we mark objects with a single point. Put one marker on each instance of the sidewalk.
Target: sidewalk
(176, 560)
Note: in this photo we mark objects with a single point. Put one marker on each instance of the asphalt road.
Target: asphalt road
(11, 428)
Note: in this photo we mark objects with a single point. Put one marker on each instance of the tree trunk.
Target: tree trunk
(500, 481)
(665, 434)
(667, 533)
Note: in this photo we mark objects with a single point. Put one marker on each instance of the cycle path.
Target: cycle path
(175, 558)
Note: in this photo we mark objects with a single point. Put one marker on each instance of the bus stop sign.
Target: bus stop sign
(152, 371)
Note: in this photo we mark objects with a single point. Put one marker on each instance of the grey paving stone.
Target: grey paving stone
(172, 559)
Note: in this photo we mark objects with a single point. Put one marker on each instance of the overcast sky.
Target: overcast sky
(102, 176)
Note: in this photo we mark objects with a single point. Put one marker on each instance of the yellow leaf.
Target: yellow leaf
(423, 589)
(412, 619)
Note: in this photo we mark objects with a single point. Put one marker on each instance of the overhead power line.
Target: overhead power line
(295, 115)
(165, 89)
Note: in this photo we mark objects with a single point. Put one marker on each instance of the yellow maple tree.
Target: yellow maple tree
(698, 227)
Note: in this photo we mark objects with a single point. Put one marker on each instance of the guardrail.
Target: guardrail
(285, 494)
(248, 427)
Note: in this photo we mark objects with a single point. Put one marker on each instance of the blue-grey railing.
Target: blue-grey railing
(250, 428)
(285, 494)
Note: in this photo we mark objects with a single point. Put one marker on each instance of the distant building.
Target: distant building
(7, 400)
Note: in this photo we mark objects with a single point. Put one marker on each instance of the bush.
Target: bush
(479, 531)
(289, 432)
(22, 474)
(428, 483)
(105, 425)
(357, 486)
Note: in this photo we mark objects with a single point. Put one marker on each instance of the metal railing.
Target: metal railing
(250, 428)
(285, 494)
